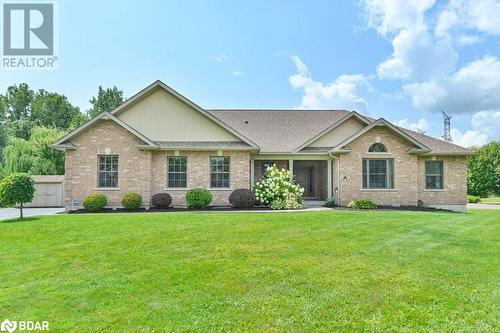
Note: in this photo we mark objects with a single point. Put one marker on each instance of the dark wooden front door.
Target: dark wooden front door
(304, 176)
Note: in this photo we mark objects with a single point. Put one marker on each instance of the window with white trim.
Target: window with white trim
(434, 175)
(378, 173)
(219, 171)
(177, 171)
(108, 171)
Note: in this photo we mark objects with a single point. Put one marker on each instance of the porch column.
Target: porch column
(329, 178)
(252, 172)
(290, 168)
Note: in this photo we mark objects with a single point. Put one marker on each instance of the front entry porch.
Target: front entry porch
(314, 175)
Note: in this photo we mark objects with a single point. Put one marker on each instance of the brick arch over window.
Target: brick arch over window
(377, 148)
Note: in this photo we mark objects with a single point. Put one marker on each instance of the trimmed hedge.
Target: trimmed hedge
(242, 198)
(198, 198)
(95, 202)
(473, 199)
(362, 204)
(132, 201)
(161, 200)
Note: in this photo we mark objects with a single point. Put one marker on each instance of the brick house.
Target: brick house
(159, 141)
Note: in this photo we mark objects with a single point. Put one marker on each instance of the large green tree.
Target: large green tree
(106, 100)
(16, 110)
(483, 175)
(21, 109)
(34, 156)
(53, 110)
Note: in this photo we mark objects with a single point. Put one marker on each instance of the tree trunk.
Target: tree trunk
(21, 210)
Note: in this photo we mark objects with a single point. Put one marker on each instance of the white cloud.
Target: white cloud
(481, 15)
(388, 16)
(339, 94)
(487, 122)
(465, 40)
(469, 138)
(417, 56)
(220, 58)
(421, 125)
(237, 73)
(474, 87)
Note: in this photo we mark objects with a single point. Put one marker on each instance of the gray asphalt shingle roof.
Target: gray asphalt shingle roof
(282, 131)
(278, 131)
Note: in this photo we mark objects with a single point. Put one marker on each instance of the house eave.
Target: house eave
(194, 148)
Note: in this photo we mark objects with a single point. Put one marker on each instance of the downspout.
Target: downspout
(338, 176)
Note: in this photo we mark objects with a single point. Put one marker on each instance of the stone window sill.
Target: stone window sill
(107, 189)
(379, 189)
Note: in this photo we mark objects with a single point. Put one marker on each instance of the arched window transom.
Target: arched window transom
(377, 148)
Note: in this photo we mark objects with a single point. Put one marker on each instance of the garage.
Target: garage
(49, 192)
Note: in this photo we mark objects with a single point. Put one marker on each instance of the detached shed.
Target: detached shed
(49, 192)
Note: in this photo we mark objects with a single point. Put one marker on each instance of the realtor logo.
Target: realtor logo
(29, 32)
(8, 326)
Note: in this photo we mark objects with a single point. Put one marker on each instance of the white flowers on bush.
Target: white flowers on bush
(277, 190)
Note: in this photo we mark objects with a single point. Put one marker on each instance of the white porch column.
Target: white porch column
(252, 172)
(329, 178)
(290, 168)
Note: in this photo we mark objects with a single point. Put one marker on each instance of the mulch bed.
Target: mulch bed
(170, 210)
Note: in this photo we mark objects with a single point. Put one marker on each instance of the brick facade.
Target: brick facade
(145, 171)
(409, 174)
(141, 171)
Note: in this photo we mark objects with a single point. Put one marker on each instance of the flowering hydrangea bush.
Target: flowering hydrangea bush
(278, 190)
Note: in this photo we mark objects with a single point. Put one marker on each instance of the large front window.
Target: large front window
(219, 171)
(177, 171)
(108, 171)
(378, 173)
(434, 175)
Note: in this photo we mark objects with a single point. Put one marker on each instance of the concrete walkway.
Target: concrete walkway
(9, 213)
(482, 206)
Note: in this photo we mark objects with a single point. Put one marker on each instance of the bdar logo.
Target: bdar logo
(8, 326)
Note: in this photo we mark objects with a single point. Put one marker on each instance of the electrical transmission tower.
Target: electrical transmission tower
(447, 127)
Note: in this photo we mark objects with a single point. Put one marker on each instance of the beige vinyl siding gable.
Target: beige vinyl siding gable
(160, 116)
(339, 133)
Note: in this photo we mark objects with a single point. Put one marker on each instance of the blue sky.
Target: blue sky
(401, 60)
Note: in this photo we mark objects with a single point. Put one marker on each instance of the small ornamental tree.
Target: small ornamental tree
(17, 188)
(278, 189)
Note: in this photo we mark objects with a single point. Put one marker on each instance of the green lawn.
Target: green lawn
(492, 200)
(318, 271)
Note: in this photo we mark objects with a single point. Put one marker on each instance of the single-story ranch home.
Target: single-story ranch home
(160, 141)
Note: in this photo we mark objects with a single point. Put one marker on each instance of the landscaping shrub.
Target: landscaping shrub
(132, 201)
(290, 202)
(242, 198)
(95, 202)
(362, 204)
(473, 199)
(161, 200)
(276, 187)
(330, 202)
(198, 198)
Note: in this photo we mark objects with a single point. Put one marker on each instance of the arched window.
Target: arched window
(377, 148)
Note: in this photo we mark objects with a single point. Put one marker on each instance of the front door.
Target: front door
(304, 176)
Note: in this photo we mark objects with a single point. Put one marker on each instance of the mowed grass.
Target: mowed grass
(328, 271)
(491, 200)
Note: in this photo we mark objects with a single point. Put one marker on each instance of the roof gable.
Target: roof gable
(381, 122)
(337, 132)
(163, 114)
(63, 143)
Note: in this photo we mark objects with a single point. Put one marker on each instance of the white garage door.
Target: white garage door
(48, 192)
